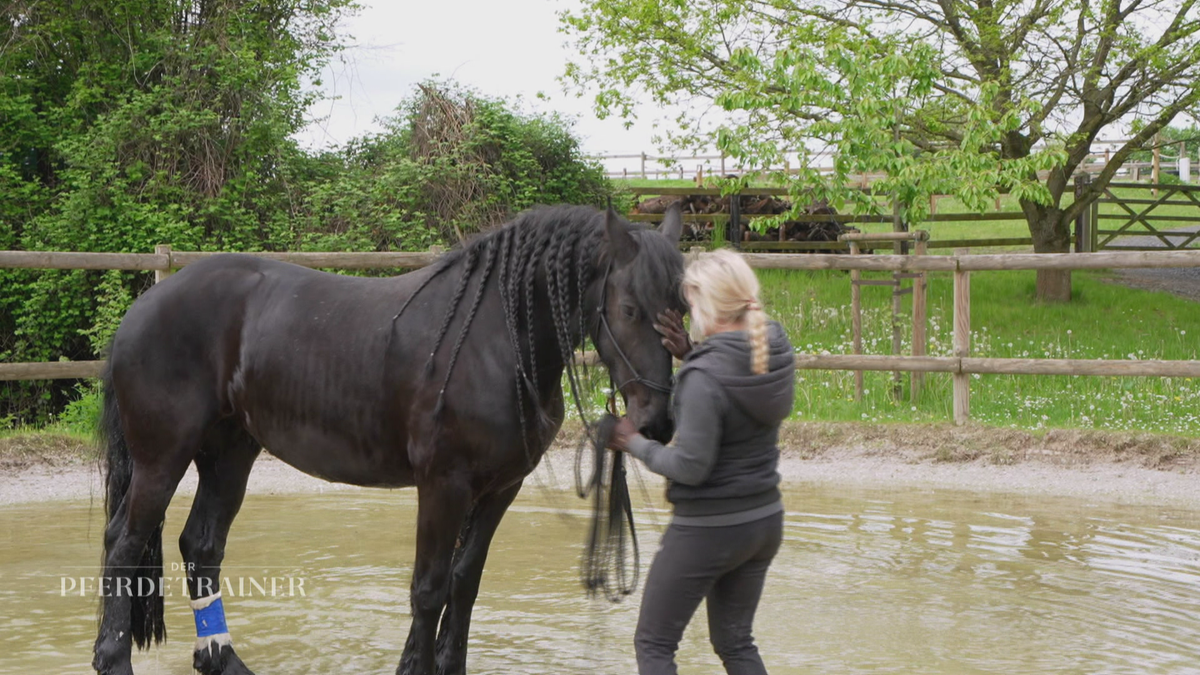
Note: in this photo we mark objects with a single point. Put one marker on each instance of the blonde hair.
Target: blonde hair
(721, 288)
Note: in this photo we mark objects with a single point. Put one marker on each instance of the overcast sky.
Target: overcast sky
(508, 49)
(502, 48)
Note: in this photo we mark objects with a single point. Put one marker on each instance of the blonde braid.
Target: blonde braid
(756, 329)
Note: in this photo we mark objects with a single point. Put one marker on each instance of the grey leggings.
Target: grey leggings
(726, 566)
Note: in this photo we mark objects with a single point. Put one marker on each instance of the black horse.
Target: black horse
(354, 380)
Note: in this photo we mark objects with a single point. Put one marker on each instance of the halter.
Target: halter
(620, 352)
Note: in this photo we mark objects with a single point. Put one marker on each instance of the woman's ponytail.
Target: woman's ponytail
(756, 329)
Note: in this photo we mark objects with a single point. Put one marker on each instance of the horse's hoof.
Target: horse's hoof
(121, 669)
(218, 659)
(450, 664)
(112, 658)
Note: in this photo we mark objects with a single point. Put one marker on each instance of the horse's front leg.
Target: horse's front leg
(442, 506)
(469, 559)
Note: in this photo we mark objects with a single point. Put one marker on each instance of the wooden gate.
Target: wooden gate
(1144, 217)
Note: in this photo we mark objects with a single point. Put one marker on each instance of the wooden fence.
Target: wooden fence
(1141, 224)
(961, 365)
(660, 167)
(735, 220)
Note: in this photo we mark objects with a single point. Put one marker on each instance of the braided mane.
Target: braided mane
(566, 245)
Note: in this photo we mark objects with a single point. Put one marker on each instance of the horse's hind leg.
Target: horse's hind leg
(469, 558)
(152, 457)
(223, 466)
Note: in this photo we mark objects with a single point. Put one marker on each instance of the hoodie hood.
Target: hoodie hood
(766, 398)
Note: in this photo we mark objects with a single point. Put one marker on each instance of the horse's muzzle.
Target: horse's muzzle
(661, 429)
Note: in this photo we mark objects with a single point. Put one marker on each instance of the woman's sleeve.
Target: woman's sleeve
(690, 458)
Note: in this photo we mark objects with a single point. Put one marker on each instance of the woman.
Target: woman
(734, 389)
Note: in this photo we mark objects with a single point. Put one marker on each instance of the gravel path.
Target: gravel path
(1182, 281)
(852, 466)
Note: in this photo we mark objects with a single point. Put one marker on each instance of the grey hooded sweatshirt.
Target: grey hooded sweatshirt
(722, 465)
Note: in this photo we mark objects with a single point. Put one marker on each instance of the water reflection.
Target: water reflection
(867, 581)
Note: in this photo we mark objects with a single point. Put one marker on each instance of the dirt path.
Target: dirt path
(1121, 468)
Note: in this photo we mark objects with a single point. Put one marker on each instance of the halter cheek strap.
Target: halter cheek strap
(636, 377)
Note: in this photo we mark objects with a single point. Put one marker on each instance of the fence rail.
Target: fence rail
(960, 365)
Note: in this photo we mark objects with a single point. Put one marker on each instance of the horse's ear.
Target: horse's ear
(621, 244)
(672, 224)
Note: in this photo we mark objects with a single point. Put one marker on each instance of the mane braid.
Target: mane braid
(559, 294)
(511, 239)
(535, 248)
(462, 333)
(440, 265)
(583, 278)
(468, 268)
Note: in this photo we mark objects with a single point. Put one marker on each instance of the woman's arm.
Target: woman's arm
(691, 456)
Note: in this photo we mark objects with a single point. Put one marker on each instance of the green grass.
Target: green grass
(1104, 321)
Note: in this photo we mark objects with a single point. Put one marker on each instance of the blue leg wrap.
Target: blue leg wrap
(211, 631)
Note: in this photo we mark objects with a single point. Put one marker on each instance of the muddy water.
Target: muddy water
(867, 581)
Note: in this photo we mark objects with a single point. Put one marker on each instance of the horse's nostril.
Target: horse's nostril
(659, 430)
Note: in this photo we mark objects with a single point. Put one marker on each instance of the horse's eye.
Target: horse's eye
(629, 311)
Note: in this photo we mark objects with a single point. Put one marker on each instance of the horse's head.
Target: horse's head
(644, 269)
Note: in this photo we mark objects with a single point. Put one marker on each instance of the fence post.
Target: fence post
(1156, 167)
(163, 249)
(735, 219)
(962, 338)
(856, 320)
(643, 165)
(919, 341)
(1185, 164)
(1082, 234)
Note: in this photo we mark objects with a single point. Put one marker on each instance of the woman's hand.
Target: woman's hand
(622, 432)
(675, 338)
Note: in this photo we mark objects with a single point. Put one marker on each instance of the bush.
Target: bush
(450, 163)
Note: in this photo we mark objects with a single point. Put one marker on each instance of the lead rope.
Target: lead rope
(611, 562)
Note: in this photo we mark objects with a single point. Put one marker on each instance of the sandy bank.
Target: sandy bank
(1121, 468)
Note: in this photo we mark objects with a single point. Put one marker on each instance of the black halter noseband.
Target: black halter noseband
(620, 352)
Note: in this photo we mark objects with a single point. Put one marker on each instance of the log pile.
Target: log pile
(749, 207)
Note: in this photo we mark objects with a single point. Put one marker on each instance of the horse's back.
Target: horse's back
(295, 355)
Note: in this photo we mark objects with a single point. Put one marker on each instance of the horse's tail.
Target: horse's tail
(146, 611)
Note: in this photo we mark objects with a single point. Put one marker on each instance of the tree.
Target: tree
(128, 123)
(1169, 141)
(967, 97)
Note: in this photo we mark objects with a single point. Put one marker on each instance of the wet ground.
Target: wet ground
(902, 580)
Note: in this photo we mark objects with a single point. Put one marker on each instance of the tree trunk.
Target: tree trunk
(1051, 234)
